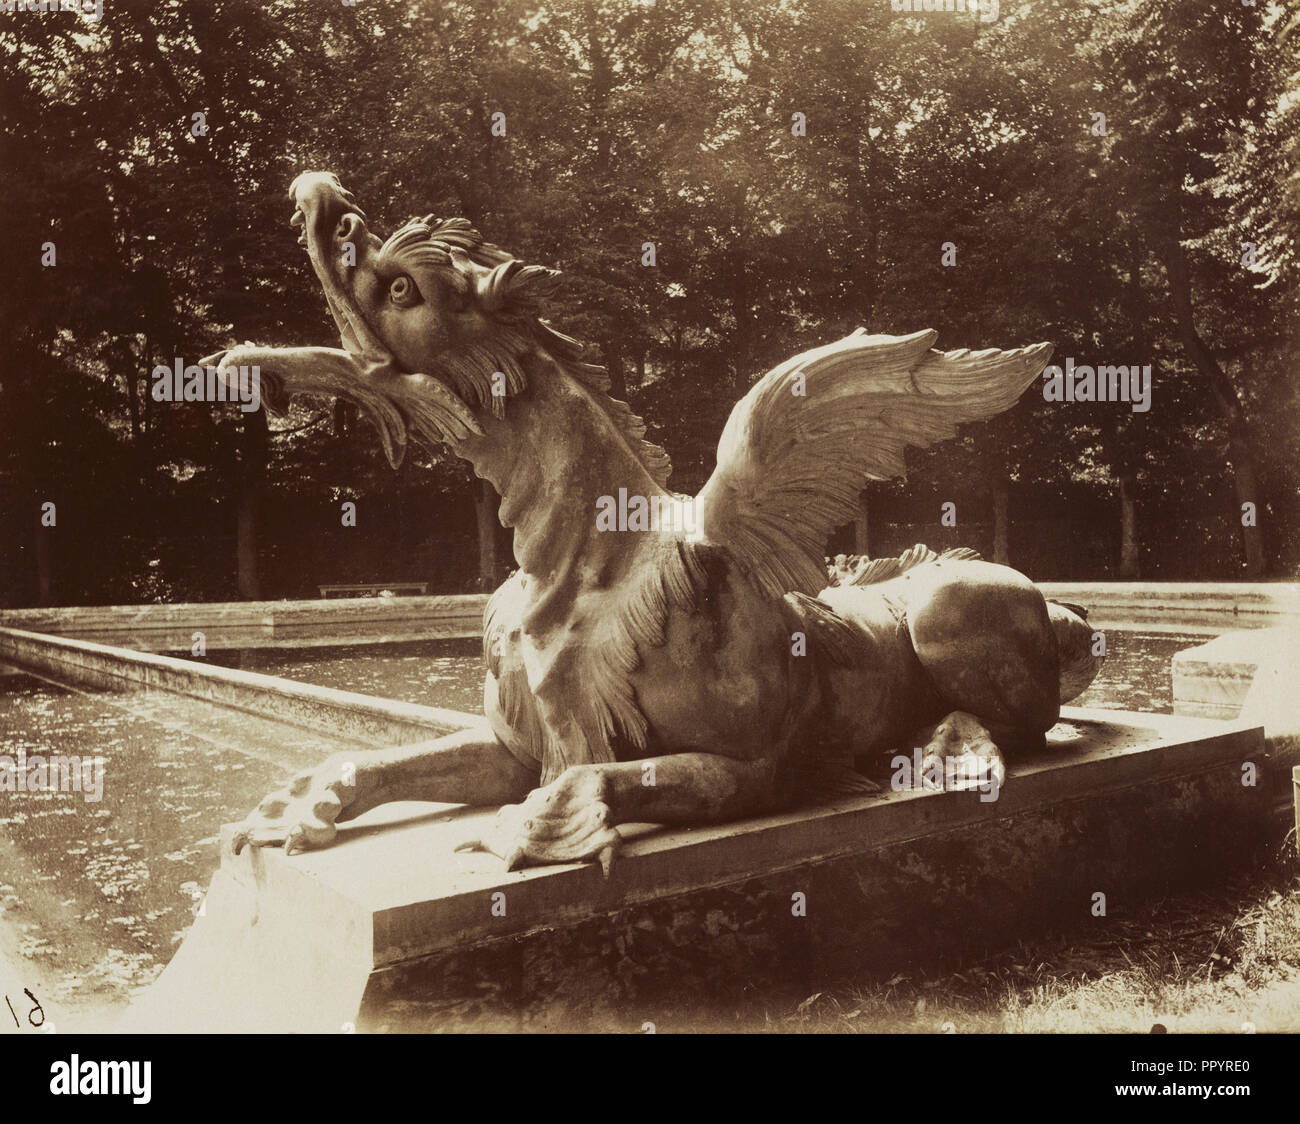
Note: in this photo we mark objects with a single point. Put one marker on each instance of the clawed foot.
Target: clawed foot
(566, 821)
(302, 815)
(961, 751)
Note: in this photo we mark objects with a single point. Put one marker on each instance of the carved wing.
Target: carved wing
(799, 446)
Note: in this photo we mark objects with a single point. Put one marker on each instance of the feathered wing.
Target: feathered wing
(799, 446)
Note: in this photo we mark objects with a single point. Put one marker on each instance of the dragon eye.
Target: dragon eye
(402, 291)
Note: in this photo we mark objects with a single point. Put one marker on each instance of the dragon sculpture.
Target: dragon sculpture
(692, 667)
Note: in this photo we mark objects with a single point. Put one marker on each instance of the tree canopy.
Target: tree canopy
(1119, 177)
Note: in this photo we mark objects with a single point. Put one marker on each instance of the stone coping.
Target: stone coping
(1182, 606)
(262, 624)
(359, 718)
(1197, 607)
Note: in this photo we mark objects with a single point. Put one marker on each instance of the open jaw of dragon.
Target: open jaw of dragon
(691, 668)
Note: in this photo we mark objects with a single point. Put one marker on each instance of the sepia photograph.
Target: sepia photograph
(624, 517)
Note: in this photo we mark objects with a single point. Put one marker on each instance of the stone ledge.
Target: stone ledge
(1154, 606)
(262, 624)
(359, 718)
(1119, 797)
(1182, 606)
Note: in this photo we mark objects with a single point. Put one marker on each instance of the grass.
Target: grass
(1222, 961)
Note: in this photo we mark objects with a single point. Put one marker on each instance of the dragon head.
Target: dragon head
(436, 323)
(432, 296)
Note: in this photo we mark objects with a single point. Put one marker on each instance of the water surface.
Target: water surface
(95, 896)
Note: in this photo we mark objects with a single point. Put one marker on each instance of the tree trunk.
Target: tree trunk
(44, 567)
(613, 356)
(742, 345)
(132, 402)
(139, 456)
(861, 529)
(1240, 447)
(253, 446)
(1001, 522)
(146, 418)
(1128, 544)
(485, 511)
(602, 82)
(1246, 490)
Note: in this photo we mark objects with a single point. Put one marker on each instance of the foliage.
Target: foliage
(634, 121)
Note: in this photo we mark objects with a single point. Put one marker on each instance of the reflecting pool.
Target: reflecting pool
(94, 895)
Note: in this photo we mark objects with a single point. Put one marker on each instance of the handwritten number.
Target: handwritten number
(31, 1015)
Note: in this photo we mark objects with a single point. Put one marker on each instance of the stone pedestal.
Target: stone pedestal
(1212, 679)
(390, 929)
(1295, 780)
(1254, 676)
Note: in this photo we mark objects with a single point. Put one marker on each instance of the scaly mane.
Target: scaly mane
(509, 294)
(634, 617)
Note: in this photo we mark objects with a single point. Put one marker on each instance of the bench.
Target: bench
(372, 589)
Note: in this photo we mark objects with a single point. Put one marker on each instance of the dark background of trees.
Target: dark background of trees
(667, 122)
